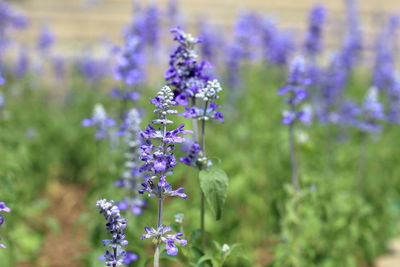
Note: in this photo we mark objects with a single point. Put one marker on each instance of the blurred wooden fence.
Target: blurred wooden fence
(76, 24)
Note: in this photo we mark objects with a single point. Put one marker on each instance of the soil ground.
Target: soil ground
(62, 248)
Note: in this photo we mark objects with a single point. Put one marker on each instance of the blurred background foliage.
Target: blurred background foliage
(347, 211)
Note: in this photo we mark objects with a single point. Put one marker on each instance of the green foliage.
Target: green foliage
(338, 219)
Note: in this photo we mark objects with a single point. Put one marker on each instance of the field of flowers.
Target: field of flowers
(249, 146)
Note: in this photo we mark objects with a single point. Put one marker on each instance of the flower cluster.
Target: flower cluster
(9, 18)
(159, 160)
(246, 34)
(131, 177)
(99, 120)
(185, 74)
(313, 40)
(115, 225)
(152, 21)
(384, 73)
(3, 208)
(211, 39)
(277, 44)
(295, 87)
(124, 95)
(46, 40)
(208, 95)
(353, 44)
(372, 112)
(93, 69)
(161, 235)
(131, 60)
(22, 64)
(332, 82)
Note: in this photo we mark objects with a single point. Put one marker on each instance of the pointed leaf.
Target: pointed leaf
(214, 184)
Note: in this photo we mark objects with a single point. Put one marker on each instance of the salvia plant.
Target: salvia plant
(296, 90)
(116, 225)
(352, 213)
(194, 89)
(157, 153)
(45, 41)
(131, 178)
(313, 41)
(100, 121)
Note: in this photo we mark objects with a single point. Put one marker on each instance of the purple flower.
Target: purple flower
(22, 64)
(125, 95)
(372, 112)
(185, 74)
(130, 66)
(130, 257)
(159, 158)
(9, 19)
(384, 74)
(3, 208)
(100, 121)
(232, 63)
(331, 82)
(46, 39)
(193, 155)
(211, 40)
(161, 236)
(116, 226)
(313, 42)
(2, 100)
(2, 79)
(162, 190)
(393, 115)
(352, 46)
(246, 34)
(152, 21)
(131, 178)
(173, 12)
(207, 95)
(295, 87)
(93, 69)
(158, 162)
(277, 45)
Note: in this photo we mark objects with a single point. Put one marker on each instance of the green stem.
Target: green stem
(295, 172)
(202, 200)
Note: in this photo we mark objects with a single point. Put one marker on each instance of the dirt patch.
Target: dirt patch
(65, 243)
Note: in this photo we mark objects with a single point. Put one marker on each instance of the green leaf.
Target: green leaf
(205, 258)
(214, 184)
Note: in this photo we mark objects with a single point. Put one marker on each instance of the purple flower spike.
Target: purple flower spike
(116, 226)
(46, 39)
(100, 121)
(313, 42)
(185, 74)
(158, 162)
(296, 82)
(131, 177)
